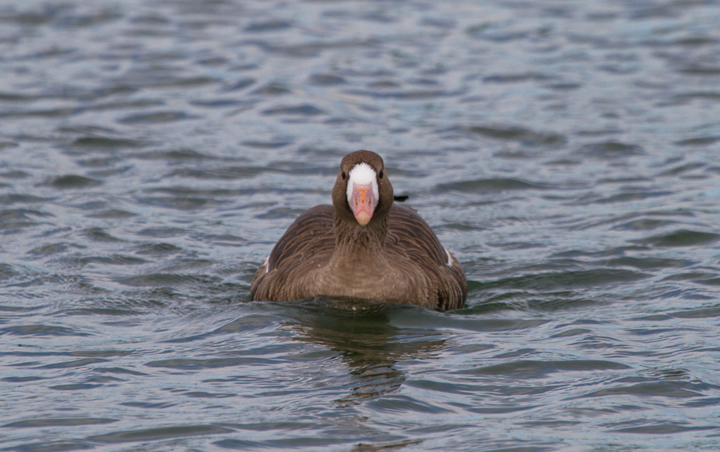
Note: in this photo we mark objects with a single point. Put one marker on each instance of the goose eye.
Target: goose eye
(343, 175)
(381, 174)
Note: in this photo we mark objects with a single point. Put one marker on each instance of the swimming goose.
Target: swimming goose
(363, 246)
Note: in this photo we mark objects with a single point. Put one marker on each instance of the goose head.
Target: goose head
(362, 192)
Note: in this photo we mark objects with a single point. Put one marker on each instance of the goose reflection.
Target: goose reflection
(362, 333)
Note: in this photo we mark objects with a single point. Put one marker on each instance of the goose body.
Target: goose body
(363, 246)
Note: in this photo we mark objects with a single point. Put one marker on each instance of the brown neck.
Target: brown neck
(357, 245)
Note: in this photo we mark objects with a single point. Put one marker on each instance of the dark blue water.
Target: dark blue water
(152, 152)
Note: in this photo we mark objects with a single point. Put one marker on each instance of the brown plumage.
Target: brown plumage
(394, 258)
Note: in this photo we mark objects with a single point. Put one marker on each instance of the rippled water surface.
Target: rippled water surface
(153, 151)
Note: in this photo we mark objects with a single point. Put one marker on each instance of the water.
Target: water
(152, 152)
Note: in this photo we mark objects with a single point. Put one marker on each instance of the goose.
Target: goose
(362, 246)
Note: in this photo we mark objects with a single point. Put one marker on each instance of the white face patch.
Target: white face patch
(362, 174)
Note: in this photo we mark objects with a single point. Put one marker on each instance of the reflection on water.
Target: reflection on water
(367, 343)
(152, 152)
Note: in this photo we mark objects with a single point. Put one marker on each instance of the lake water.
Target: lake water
(153, 151)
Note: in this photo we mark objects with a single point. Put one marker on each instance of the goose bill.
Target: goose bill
(363, 202)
